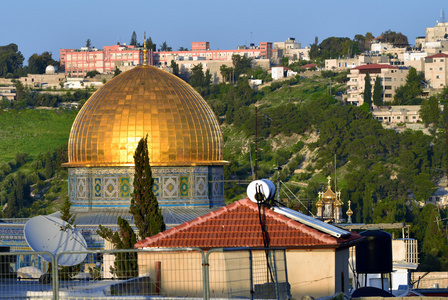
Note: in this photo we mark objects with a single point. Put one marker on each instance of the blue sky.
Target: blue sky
(47, 25)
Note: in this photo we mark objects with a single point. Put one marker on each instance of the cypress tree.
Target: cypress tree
(133, 39)
(144, 206)
(65, 212)
(48, 166)
(367, 90)
(377, 92)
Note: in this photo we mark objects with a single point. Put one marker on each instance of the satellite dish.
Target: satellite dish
(51, 234)
(264, 186)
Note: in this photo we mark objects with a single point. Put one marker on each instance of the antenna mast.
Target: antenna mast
(442, 16)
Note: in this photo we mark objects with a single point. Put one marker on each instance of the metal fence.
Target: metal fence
(146, 274)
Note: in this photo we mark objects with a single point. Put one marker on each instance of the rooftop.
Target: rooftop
(374, 67)
(238, 225)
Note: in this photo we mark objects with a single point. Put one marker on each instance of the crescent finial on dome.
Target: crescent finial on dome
(145, 51)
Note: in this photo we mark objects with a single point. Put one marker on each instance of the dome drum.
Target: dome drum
(111, 188)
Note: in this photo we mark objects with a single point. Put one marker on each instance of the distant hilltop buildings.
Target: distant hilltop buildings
(78, 62)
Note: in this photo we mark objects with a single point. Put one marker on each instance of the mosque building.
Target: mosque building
(185, 148)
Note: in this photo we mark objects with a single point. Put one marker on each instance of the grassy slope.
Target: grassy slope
(33, 131)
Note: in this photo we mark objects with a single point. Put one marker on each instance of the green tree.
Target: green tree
(175, 68)
(150, 45)
(66, 215)
(225, 72)
(117, 71)
(197, 76)
(133, 39)
(368, 40)
(367, 90)
(241, 65)
(285, 61)
(20, 90)
(409, 93)
(165, 47)
(394, 38)
(68, 272)
(13, 206)
(444, 124)
(430, 111)
(360, 40)
(378, 92)
(92, 74)
(144, 206)
(48, 165)
(88, 43)
(125, 264)
(11, 60)
(38, 63)
(314, 49)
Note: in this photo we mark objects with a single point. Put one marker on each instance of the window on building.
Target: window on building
(440, 69)
(388, 87)
(387, 95)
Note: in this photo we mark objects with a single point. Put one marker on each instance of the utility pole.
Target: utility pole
(256, 141)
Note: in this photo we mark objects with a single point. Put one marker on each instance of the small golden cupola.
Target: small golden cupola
(329, 205)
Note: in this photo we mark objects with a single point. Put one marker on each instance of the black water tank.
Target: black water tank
(374, 253)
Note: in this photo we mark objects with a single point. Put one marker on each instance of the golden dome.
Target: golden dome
(329, 195)
(182, 129)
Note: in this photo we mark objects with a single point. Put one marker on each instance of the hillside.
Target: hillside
(33, 131)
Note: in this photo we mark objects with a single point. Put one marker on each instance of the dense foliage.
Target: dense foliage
(384, 173)
(336, 47)
(11, 61)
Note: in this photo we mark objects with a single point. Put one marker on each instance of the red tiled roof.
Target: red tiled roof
(238, 225)
(374, 67)
(438, 55)
(309, 66)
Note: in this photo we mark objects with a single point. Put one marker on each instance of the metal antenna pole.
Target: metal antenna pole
(256, 147)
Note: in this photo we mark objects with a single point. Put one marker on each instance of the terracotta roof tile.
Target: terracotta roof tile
(237, 225)
(438, 55)
(374, 67)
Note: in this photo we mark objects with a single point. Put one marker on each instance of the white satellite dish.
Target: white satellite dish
(265, 186)
(51, 234)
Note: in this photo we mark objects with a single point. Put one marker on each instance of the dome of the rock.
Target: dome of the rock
(182, 129)
(185, 144)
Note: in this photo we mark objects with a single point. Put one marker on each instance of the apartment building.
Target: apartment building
(77, 62)
(292, 49)
(436, 70)
(437, 33)
(340, 64)
(391, 78)
(397, 114)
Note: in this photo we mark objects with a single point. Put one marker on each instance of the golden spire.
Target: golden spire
(145, 57)
(349, 212)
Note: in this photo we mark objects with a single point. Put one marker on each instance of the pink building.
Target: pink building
(78, 62)
(266, 50)
(201, 51)
(200, 46)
